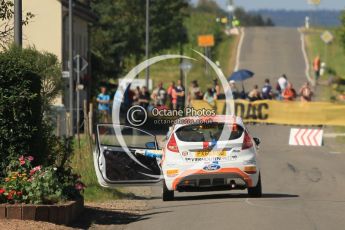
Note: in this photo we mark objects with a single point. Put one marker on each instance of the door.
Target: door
(126, 155)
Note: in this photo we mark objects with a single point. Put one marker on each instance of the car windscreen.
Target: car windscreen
(208, 132)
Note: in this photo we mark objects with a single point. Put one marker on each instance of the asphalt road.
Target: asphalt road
(303, 186)
(271, 52)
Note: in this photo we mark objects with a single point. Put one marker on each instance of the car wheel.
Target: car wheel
(257, 190)
(167, 194)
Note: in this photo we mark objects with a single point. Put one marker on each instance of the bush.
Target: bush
(20, 108)
(38, 185)
(29, 81)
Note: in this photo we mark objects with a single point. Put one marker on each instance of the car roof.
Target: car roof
(230, 119)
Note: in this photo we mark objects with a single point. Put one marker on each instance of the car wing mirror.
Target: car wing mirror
(151, 145)
(257, 141)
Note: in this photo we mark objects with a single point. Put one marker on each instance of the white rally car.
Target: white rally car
(200, 154)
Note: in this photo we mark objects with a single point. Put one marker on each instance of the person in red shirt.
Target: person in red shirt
(317, 67)
(172, 99)
(289, 93)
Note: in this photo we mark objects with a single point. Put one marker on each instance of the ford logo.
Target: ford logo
(212, 167)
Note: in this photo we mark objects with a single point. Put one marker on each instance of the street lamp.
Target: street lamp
(186, 66)
(18, 22)
(147, 40)
(70, 41)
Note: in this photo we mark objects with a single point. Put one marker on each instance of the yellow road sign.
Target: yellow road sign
(327, 37)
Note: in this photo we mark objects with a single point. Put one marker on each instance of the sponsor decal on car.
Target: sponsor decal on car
(172, 172)
(212, 167)
(199, 159)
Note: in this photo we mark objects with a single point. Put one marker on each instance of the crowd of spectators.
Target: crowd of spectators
(283, 90)
(174, 97)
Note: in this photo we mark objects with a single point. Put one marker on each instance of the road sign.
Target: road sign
(314, 2)
(327, 37)
(224, 20)
(82, 63)
(306, 137)
(65, 74)
(206, 40)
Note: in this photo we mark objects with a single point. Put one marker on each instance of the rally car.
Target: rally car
(200, 154)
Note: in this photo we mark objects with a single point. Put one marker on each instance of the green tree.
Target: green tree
(119, 34)
(6, 22)
(252, 19)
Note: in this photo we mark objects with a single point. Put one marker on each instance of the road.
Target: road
(303, 186)
(271, 52)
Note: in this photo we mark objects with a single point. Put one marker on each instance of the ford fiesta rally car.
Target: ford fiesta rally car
(199, 154)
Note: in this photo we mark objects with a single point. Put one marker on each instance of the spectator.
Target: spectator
(159, 95)
(289, 93)
(266, 91)
(103, 100)
(128, 98)
(305, 92)
(210, 97)
(144, 98)
(281, 85)
(170, 90)
(254, 94)
(194, 92)
(180, 95)
(136, 95)
(317, 67)
(215, 89)
(234, 90)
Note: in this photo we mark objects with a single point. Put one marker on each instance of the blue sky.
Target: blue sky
(283, 4)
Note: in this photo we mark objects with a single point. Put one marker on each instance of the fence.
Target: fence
(60, 120)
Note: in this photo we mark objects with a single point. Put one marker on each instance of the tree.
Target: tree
(252, 19)
(119, 34)
(209, 6)
(6, 22)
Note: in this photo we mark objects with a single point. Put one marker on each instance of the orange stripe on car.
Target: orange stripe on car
(237, 171)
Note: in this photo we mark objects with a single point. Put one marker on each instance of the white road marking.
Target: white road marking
(269, 206)
(306, 59)
(239, 49)
(335, 153)
(333, 135)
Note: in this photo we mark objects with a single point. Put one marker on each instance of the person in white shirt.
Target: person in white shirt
(281, 86)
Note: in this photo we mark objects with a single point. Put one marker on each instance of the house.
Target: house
(48, 31)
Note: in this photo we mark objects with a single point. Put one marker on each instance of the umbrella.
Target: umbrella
(241, 75)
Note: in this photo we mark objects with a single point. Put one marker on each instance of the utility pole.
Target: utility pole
(70, 41)
(231, 8)
(147, 40)
(18, 36)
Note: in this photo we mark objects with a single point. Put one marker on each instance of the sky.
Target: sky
(283, 4)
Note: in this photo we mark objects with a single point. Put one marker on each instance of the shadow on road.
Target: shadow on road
(233, 196)
(102, 216)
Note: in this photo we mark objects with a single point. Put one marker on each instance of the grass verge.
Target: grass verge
(82, 163)
(332, 54)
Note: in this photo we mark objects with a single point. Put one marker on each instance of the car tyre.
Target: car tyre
(167, 194)
(257, 190)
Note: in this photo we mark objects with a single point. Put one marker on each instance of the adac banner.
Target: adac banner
(282, 112)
